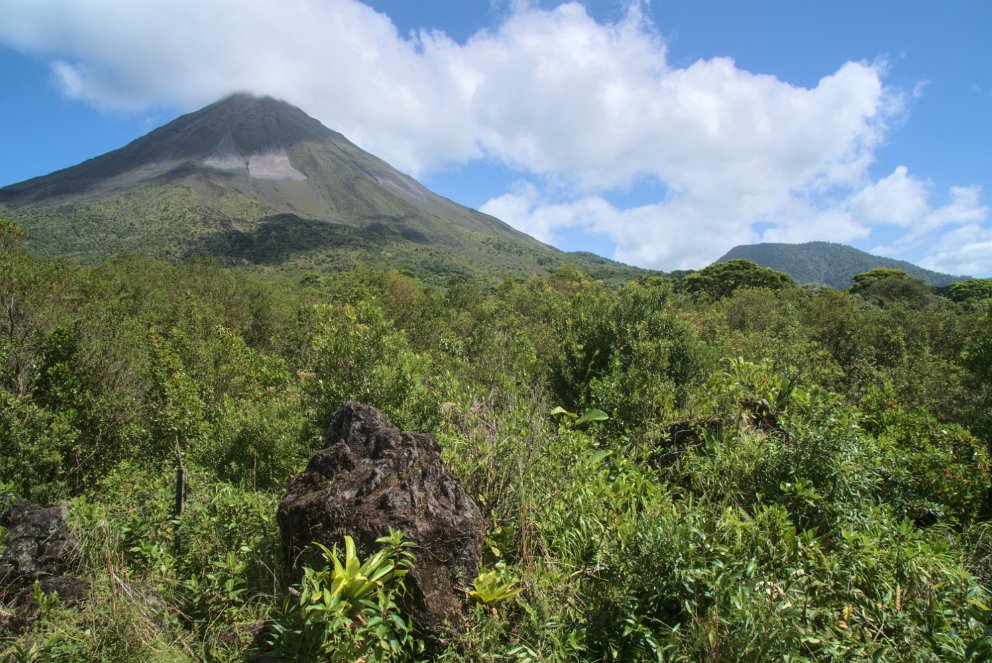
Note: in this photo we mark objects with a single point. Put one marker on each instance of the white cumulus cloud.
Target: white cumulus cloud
(664, 233)
(580, 108)
(964, 250)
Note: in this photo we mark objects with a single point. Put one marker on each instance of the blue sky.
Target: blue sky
(658, 133)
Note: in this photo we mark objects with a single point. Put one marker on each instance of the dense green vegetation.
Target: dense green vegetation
(828, 263)
(186, 218)
(971, 290)
(782, 474)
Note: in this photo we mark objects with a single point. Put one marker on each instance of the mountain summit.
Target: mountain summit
(254, 180)
(827, 262)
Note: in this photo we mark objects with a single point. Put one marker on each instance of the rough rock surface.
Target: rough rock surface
(10, 625)
(370, 477)
(38, 545)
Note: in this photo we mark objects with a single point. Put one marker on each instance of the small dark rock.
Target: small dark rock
(760, 416)
(71, 590)
(371, 477)
(240, 634)
(38, 549)
(679, 436)
(11, 625)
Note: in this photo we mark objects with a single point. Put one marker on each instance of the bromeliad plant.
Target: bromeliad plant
(341, 588)
(347, 610)
(487, 588)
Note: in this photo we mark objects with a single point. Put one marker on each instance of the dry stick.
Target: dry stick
(180, 496)
(180, 483)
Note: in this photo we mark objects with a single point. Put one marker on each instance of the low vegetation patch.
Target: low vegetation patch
(667, 471)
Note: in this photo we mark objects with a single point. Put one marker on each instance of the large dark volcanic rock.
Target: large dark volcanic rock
(371, 477)
(38, 547)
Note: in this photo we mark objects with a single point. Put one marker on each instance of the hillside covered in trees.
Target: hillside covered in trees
(722, 467)
(828, 263)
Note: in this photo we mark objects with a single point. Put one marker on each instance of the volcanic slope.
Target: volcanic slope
(827, 262)
(257, 182)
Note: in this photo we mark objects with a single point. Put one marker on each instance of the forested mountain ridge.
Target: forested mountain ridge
(828, 263)
(257, 182)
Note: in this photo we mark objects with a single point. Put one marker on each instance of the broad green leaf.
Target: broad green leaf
(592, 414)
(599, 456)
(560, 410)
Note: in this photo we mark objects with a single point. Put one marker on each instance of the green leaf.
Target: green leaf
(383, 570)
(560, 410)
(592, 414)
(350, 556)
(597, 457)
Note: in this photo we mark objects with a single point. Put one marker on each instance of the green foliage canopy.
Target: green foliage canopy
(723, 279)
(764, 471)
(971, 290)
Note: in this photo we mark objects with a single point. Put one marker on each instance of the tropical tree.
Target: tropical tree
(723, 279)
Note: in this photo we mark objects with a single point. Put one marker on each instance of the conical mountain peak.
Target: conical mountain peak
(244, 122)
(256, 180)
(241, 131)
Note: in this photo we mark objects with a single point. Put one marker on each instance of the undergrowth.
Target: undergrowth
(761, 474)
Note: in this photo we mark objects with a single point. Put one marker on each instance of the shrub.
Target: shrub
(931, 471)
(38, 449)
(357, 355)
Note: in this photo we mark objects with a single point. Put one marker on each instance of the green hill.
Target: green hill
(828, 263)
(259, 183)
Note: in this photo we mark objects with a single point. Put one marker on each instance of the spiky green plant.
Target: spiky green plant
(488, 588)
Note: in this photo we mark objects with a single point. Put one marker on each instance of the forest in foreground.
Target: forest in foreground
(720, 467)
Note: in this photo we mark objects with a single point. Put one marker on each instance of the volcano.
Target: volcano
(256, 181)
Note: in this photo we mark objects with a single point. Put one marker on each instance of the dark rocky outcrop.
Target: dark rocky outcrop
(38, 548)
(370, 477)
(11, 625)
